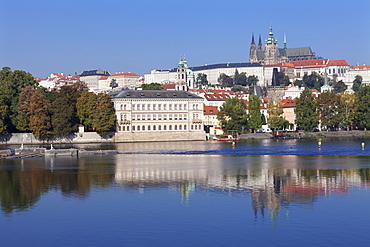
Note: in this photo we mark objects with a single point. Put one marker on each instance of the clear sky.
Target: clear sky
(69, 36)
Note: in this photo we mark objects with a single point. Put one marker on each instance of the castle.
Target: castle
(272, 54)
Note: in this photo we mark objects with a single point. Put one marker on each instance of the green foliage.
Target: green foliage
(232, 114)
(24, 112)
(313, 81)
(11, 84)
(254, 111)
(238, 88)
(362, 111)
(240, 79)
(3, 116)
(306, 117)
(252, 80)
(348, 103)
(225, 80)
(65, 119)
(96, 111)
(40, 119)
(284, 79)
(357, 83)
(275, 119)
(152, 86)
(340, 87)
(330, 110)
(201, 79)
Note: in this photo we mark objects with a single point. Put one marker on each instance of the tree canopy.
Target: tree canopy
(330, 110)
(152, 86)
(232, 114)
(305, 111)
(254, 111)
(275, 118)
(362, 110)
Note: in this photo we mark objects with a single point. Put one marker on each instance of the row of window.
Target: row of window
(143, 107)
(159, 127)
(159, 116)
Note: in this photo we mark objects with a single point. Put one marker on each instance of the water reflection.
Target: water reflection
(272, 183)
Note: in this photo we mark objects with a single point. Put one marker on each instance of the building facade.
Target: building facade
(91, 78)
(158, 115)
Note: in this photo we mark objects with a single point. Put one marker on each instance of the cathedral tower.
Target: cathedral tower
(253, 52)
(271, 49)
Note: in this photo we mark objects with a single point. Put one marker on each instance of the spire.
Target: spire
(285, 41)
(252, 39)
(271, 39)
(260, 43)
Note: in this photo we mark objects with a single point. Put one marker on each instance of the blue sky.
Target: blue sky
(70, 36)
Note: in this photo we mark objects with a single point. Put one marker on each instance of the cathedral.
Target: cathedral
(272, 54)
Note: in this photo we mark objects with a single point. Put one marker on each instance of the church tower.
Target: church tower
(259, 44)
(271, 49)
(253, 52)
(184, 76)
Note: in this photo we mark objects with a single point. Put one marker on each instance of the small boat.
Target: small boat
(229, 135)
(287, 134)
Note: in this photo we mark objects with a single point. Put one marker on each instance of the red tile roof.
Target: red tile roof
(361, 67)
(217, 97)
(210, 110)
(104, 78)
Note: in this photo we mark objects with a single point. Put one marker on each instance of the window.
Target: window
(175, 117)
(159, 106)
(184, 127)
(133, 107)
(164, 116)
(175, 106)
(175, 127)
(148, 117)
(180, 116)
(148, 127)
(159, 127)
(125, 117)
(121, 107)
(170, 107)
(154, 116)
(143, 117)
(119, 127)
(138, 117)
(159, 116)
(121, 117)
(143, 128)
(125, 107)
(133, 128)
(185, 116)
(154, 128)
(154, 106)
(138, 128)
(170, 117)
(170, 127)
(148, 107)
(180, 107)
(195, 126)
(128, 128)
(184, 106)
(123, 128)
(180, 126)
(298, 74)
(164, 127)
(164, 106)
(192, 127)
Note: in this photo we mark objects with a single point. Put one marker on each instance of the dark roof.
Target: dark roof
(303, 51)
(95, 72)
(156, 94)
(225, 65)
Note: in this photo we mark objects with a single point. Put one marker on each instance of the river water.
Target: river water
(258, 193)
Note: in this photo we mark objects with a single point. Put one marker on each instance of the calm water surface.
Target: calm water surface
(260, 193)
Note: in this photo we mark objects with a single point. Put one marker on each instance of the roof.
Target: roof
(302, 51)
(125, 73)
(210, 110)
(217, 97)
(309, 63)
(339, 62)
(104, 78)
(361, 67)
(156, 94)
(225, 65)
(94, 72)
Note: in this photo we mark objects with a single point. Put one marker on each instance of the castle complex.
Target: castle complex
(272, 54)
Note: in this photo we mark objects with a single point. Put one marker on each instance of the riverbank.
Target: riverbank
(321, 134)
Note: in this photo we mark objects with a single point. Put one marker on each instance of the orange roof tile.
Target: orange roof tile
(125, 73)
(361, 67)
(210, 110)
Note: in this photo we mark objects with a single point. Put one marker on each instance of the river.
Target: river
(257, 193)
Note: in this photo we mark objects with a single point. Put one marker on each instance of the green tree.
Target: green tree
(330, 110)
(11, 84)
(225, 80)
(348, 104)
(313, 81)
(254, 112)
(64, 118)
(284, 79)
(238, 88)
(357, 83)
(40, 119)
(96, 111)
(232, 114)
(362, 110)
(152, 86)
(305, 111)
(3, 117)
(201, 79)
(340, 87)
(240, 78)
(275, 117)
(252, 80)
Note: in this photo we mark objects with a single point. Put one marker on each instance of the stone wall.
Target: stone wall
(160, 136)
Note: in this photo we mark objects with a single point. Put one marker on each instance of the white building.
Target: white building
(91, 78)
(361, 70)
(121, 80)
(158, 115)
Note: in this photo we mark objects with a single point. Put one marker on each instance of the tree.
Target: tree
(152, 86)
(232, 114)
(339, 87)
(252, 80)
(254, 112)
(313, 81)
(362, 110)
(11, 84)
(201, 79)
(238, 88)
(348, 103)
(96, 111)
(64, 118)
(275, 119)
(225, 80)
(357, 83)
(40, 119)
(240, 79)
(284, 79)
(305, 111)
(330, 110)
(24, 112)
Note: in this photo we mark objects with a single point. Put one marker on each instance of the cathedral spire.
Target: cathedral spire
(260, 43)
(285, 47)
(252, 39)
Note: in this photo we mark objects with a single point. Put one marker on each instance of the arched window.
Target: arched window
(192, 127)
(125, 107)
(133, 128)
(121, 107)
(165, 127)
(170, 127)
(148, 127)
(123, 128)
(121, 117)
(159, 127)
(154, 128)
(125, 117)
(184, 127)
(175, 127)
(143, 127)
(119, 127)
(138, 128)
(180, 127)
(128, 128)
